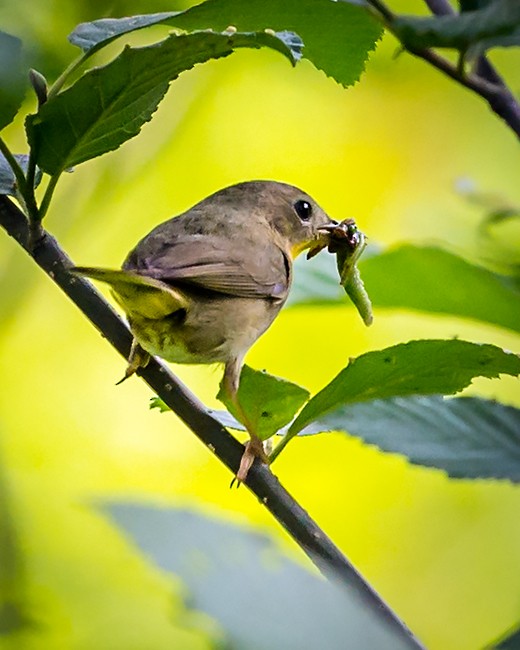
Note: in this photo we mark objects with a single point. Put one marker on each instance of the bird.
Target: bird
(203, 286)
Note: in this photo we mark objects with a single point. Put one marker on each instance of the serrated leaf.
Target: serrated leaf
(424, 278)
(7, 178)
(467, 437)
(12, 79)
(338, 36)
(242, 580)
(108, 105)
(496, 24)
(268, 402)
(425, 367)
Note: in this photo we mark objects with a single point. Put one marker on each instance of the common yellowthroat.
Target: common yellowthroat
(203, 286)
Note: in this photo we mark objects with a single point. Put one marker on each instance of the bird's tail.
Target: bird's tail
(138, 294)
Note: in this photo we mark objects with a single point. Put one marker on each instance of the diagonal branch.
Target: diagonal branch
(260, 480)
(486, 82)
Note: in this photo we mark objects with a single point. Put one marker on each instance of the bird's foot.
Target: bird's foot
(138, 359)
(254, 449)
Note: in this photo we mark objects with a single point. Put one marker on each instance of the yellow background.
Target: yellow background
(445, 554)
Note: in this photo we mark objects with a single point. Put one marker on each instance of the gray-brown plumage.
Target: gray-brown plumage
(203, 286)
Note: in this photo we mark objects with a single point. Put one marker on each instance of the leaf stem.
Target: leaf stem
(280, 446)
(49, 191)
(17, 170)
(69, 70)
(26, 191)
(260, 480)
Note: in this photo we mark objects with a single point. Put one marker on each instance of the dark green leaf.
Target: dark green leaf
(416, 277)
(496, 24)
(466, 437)
(12, 79)
(425, 367)
(7, 178)
(262, 599)
(109, 105)
(266, 401)
(338, 36)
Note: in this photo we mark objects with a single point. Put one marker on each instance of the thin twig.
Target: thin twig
(260, 480)
(440, 7)
(484, 68)
(490, 87)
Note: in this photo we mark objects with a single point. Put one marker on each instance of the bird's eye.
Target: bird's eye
(303, 210)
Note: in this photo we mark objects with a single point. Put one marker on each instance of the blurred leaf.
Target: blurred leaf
(496, 24)
(467, 437)
(12, 79)
(7, 178)
(425, 367)
(261, 598)
(338, 36)
(511, 642)
(266, 401)
(430, 279)
(109, 105)
(417, 277)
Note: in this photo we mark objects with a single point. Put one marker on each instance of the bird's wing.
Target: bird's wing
(242, 267)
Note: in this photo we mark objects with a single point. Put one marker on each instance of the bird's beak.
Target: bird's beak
(323, 238)
(329, 227)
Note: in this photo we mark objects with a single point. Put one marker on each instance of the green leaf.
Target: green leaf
(261, 598)
(267, 402)
(157, 403)
(416, 277)
(12, 78)
(7, 178)
(108, 105)
(338, 36)
(467, 437)
(497, 24)
(426, 367)
(430, 279)
(93, 35)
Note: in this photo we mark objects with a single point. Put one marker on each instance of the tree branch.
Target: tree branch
(486, 83)
(484, 68)
(260, 480)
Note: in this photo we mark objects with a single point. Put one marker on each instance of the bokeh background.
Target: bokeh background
(390, 151)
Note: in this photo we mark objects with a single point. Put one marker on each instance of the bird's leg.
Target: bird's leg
(138, 358)
(254, 447)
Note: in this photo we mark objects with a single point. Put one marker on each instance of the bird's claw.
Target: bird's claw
(254, 448)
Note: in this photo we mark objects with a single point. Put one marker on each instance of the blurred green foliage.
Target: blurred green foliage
(389, 152)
